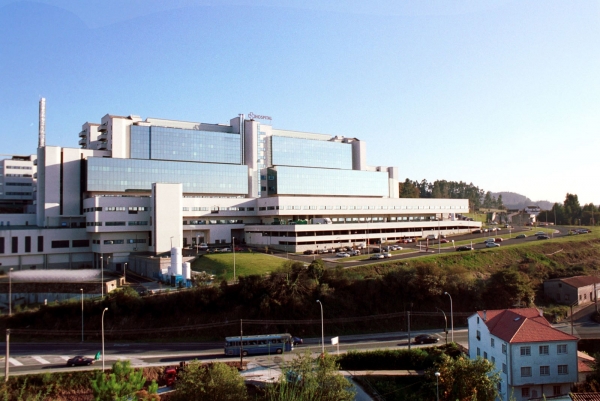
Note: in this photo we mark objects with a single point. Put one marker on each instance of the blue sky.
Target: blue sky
(503, 94)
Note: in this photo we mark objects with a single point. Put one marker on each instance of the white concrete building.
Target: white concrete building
(533, 358)
(147, 185)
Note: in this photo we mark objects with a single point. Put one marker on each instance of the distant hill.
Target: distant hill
(513, 200)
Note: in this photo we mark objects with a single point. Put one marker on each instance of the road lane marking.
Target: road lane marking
(41, 360)
(15, 362)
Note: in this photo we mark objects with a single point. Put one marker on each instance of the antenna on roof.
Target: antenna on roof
(42, 128)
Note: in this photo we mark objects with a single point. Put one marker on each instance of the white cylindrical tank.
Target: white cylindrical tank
(176, 260)
(187, 271)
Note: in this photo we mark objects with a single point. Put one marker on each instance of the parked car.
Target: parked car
(476, 232)
(444, 241)
(355, 252)
(543, 236)
(342, 255)
(426, 339)
(540, 233)
(80, 360)
(297, 341)
(491, 245)
(309, 252)
(521, 236)
(464, 248)
(376, 256)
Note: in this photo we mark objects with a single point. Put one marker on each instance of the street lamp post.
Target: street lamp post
(451, 316)
(81, 314)
(437, 385)
(10, 292)
(446, 322)
(101, 276)
(105, 309)
(125, 272)
(233, 249)
(322, 331)
(171, 242)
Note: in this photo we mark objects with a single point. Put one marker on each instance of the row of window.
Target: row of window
(525, 392)
(217, 208)
(526, 349)
(526, 371)
(124, 241)
(18, 175)
(203, 222)
(19, 167)
(15, 244)
(544, 350)
(116, 209)
(19, 184)
(18, 193)
(339, 207)
(116, 223)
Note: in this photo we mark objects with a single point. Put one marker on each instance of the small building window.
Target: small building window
(563, 369)
(526, 351)
(492, 343)
(526, 371)
(544, 370)
(544, 350)
(561, 349)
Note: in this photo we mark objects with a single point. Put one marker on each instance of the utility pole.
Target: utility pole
(7, 355)
(241, 345)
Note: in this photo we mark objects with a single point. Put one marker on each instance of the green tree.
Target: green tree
(572, 208)
(214, 382)
(407, 189)
(308, 379)
(121, 384)
(508, 288)
(316, 269)
(464, 379)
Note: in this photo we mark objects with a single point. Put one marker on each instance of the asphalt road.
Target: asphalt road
(38, 358)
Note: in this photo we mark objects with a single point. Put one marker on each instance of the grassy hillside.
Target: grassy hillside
(366, 299)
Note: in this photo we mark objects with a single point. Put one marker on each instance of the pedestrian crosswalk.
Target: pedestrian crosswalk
(62, 359)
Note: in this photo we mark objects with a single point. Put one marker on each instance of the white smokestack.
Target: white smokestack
(42, 129)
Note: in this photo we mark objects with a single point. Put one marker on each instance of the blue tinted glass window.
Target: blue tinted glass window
(316, 181)
(104, 174)
(310, 153)
(140, 142)
(194, 145)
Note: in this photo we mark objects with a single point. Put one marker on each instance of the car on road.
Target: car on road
(376, 256)
(426, 339)
(387, 255)
(444, 241)
(297, 341)
(342, 255)
(543, 236)
(491, 245)
(476, 232)
(464, 248)
(309, 252)
(80, 360)
(498, 239)
(355, 252)
(521, 236)
(540, 233)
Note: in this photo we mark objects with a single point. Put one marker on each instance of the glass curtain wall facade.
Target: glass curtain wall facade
(316, 181)
(286, 151)
(161, 143)
(120, 175)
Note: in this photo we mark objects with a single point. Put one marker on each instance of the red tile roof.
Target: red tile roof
(522, 326)
(579, 281)
(585, 396)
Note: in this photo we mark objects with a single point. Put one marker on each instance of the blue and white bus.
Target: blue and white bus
(263, 344)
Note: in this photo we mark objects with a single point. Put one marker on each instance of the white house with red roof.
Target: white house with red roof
(532, 357)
